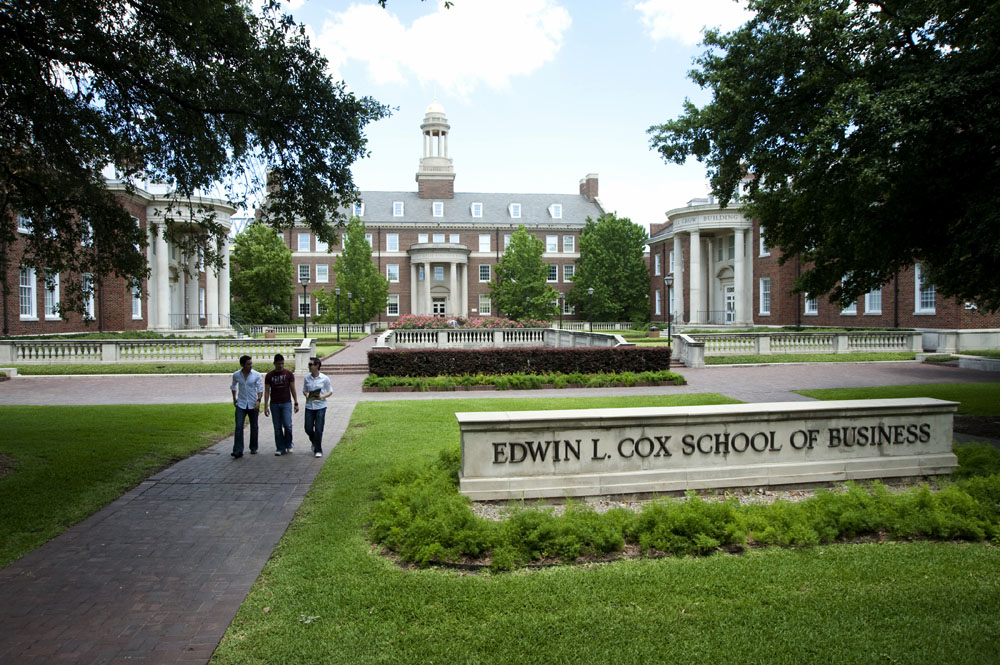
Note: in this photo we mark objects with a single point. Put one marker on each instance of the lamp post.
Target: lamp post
(304, 281)
(668, 282)
(559, 302)
(363, 319)
(337, 291)
(590, 307)
(527, 306)
(348, 315)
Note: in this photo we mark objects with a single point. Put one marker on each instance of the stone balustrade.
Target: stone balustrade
(692, 349)
(479, 338)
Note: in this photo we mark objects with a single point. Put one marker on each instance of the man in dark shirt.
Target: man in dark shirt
(279, 393)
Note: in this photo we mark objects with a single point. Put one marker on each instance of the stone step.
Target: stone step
(357, 368)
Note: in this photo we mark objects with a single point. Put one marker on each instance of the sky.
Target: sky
(538, 93)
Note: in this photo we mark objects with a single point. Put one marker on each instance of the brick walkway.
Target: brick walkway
(157, 576)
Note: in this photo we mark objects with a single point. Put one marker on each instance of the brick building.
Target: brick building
(179, 294)
(438, 247)
(712, 266)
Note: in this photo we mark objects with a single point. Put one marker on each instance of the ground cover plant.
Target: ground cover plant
(524, 381)
(753, 359)
(64, 463)
(327, 597)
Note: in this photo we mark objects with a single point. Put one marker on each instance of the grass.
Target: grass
(69, 461)
(327, 597)
(751, 359)
(327, 348)
(976, 399)
(134, 368)
(990, 353)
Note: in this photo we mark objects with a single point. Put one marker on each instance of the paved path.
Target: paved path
(157, 576)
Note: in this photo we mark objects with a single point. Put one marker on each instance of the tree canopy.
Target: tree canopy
(869, 132)
(611, 262)
(263, 280)
(190, 94)
(519, 289)
(357, 275)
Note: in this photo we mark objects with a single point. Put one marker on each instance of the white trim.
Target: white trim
(553, 267)
(391, 268)
(919, 291)
(514, 210)
(764, 286)
(571, 246)
(484, 242)
(476, 209)
(571, 269)
(393, 299)
(323, 278)
(551, 244)
(484, 299)
(397, 208)
(27, 294)
(437, 208)
(555, 211)
(299, 237)
(869, 301)
(52, 301)
(489, 273)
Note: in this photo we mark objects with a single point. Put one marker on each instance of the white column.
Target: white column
(464, 286)
(453, 306)
(224, 288)
(414, 273)
(678, 280)
(192, 292)
(695, 288)
(211, 297)
(162, 280)
(738, 284)
(428, 304)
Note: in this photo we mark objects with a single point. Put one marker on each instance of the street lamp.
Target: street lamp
(304, 281)
(337, 291)
(527, 306)
(348, 315)
(590, 307)
(363, 320)
(559, 300)
(668, 282)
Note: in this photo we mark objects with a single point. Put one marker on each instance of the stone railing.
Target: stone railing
(57, 352)
(956, 341)
(603, 326)
(314, 328)
(692, 349)
(479, 338)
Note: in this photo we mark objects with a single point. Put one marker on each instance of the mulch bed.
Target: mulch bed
(988, 426)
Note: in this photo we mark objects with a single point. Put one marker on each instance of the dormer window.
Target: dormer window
(515, 210)
(477, 209)
(397, 209)
(438, 208)
(358, 209)
(555, 210)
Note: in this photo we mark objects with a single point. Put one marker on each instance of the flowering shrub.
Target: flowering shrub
(414, 321)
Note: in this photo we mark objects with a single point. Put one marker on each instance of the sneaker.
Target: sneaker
(253, 452)
(236, 455)
(278, 453)
(289, 448)
(319, 454)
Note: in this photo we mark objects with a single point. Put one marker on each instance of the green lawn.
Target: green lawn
(69, 461)
(327, 597)
(751, 359)
(977, 399)
(990, 353)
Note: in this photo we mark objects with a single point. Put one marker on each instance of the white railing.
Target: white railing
(57, 352)
(604, 326)
(314, 328)
(692, 349)
(479, 338)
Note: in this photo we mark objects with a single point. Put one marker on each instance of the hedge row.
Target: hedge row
(534, 360)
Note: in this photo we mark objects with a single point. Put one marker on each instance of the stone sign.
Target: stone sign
(585, 452)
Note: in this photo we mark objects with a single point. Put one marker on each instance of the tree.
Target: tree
(191, 94)
(519, 289)
(358, 275)
(263, 283)
(870, 133)
(611, 262)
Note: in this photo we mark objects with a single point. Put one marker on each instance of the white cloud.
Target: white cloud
(684, 21)
(475, 42)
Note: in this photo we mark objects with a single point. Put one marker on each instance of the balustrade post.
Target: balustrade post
(764, 344)
(6, 352)
(840, 343)
(210, 350)
(109, 352)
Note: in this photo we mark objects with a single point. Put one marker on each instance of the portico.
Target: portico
(439, 279)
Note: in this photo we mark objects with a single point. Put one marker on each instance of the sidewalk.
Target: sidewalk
(158, 575)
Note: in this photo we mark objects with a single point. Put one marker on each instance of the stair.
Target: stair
(346, 368)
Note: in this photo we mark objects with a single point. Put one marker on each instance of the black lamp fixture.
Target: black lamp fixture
(304, 281)
(337, 291)
(348, 315)
(590, 308)
(668, 282)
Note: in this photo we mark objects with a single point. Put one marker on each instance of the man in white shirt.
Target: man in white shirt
(316, 388)
(247, 388)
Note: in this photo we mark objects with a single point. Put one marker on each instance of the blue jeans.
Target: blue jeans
(315, 419)
(241, 416)
(281, 417)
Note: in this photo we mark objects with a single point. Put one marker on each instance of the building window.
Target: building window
(438, 273)
(656, 303)
(52, 298)
(515, 210)
(322, 273)
(873, 302)
(569, 269)
(322, 246)
(438, 208)
(358, 209)
(553, 273)
(304, 305)
(392, 272)
(567, 308)
(88, 290)
(556, 210)
(670, 262)
(453, 238)
(477, 209)
(397, 208)
(551, 244)
(201, 302)
(765, 295)
(87, 235)
(812, 305)
(320, 308)
(923, 291)
(506, 241)
(392, 305)
(569, 244)
(656, 263)
(422, 238)
(136, 303)
(303, 242)
(303, 271)
(484, 272)
(485, 306)
(368, 239)
(23, 223)
(420, 273)
(439, 237)
(853, 307)
(670, 302)
(764, 249)
(27, 294)
(726, 249)
(484, 242)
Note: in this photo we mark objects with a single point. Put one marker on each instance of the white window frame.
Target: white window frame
(656, 264)
(484, 242)
(476, 209)
(488, 271)
(392, 272)
(506, 240)
(764, 296)
(322, 246)
(555, 210)
(437, 208)
(656, 303)
(358, 209)
(392, 242)
(322, 273)
(89, 305)
(920, 293)
(392, 305)
(811, 306)
(515, 210)
(764, 249)
(553, 268)
(438, 274)
(851, 309)
(23, 223)
(27, 296)
(397, 208)
(305, 305)
(420, 273)
(670, 261)
(454, 238)
(438, 238)
(569, 244)
(422, 238)
(201, 302)
(485, 305)
(52, 299)
(136, 304)
(568, 310)
(551, 244)
(873, 301)
(569, 271)
(300, 237)
(306, 273)
(368, 239)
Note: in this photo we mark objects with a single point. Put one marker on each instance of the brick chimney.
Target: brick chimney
(588, 186)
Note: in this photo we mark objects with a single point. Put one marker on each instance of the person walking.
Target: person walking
(279, 393)
(316, 387)
(247, 388)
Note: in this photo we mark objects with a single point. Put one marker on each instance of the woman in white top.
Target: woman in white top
(316, 388)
